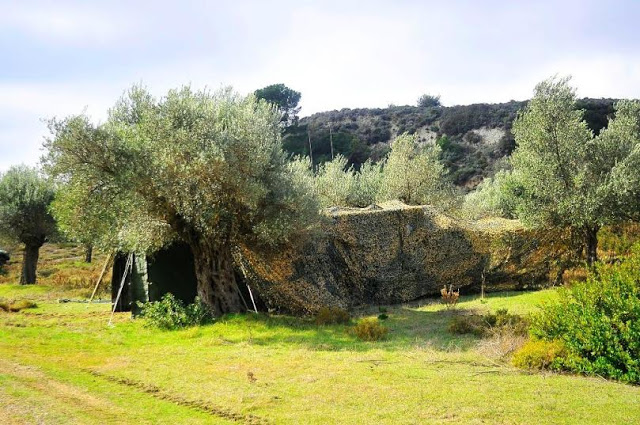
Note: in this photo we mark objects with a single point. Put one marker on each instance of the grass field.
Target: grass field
(61, 364)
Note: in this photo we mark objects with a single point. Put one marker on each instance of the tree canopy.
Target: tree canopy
(429, 101)
(284, 98)
(25, 197)
(410, 172)
(414, 174)
(206, 168)
(569, 177)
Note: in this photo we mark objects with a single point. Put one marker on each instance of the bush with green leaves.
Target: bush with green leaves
(598, 322)
(170, 313)
(489, 323)
(539, 354)
(429, 101)
(496, 196)
(338, 184)
(410, 172)
(370, 329)
(366, 185)
(332, 316)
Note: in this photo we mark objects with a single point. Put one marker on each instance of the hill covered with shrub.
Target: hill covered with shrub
(474, 138)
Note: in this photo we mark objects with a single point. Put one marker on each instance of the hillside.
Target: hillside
(473, 138)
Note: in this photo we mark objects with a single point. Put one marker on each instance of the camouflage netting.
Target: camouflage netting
(396, 253)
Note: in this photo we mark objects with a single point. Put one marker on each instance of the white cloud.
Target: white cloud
(338, 54)
(55, 22)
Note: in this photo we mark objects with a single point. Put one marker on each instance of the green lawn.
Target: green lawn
(60, 363)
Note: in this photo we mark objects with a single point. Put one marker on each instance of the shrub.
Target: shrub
(496, 196)
(17, 306)
(598, 322)
(539, 354)
(331, 316)
(489, 324)
(170, 313)
(472, 324)
(414, 174)
(370, 330)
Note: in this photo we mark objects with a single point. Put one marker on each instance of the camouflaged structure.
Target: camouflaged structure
(395, 253)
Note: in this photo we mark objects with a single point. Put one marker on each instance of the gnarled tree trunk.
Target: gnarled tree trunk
(591, 244)
(29, 264)
(217, 285)
(88, 253)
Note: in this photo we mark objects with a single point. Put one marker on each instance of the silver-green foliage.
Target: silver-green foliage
(496, 196)
(551, 156)
(198, 164)
(414, 174)
(410, 173)
(25, 197)
(571, 178)
(366, 184)
(335, 182)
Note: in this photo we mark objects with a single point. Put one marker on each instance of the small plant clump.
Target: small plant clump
(449, 296)
(370, 330)
(170, 313)
(16, 306)
(489, 324)
(332, 316)
(539, 354)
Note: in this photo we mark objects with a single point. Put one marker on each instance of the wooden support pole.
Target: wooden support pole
(104, 269)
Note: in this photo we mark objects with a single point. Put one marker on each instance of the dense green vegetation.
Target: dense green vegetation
(596, 323)
(170, 313)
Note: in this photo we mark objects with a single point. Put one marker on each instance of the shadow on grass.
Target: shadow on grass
(408, 328)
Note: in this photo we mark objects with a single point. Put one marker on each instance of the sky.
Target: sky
(64, 57)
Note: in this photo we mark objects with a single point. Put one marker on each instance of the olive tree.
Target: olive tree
(25, 197)
(366, 184)
(206, 168)
(334, 182)
(571, 178)
(496, 196)
(74, 218)
(338, 184)
(414, 174)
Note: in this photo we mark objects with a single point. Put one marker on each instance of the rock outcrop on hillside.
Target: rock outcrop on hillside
(395, 253)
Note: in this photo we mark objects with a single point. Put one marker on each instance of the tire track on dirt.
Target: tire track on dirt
(33, 378)
(200, 405)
